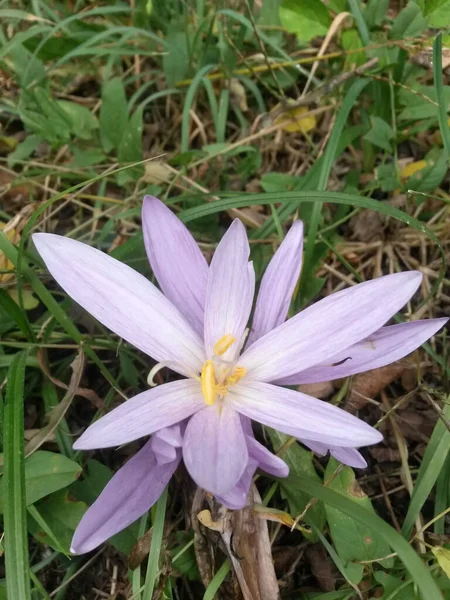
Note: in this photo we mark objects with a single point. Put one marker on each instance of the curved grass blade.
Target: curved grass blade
(155, 548)
(439, 85)
(418, 571)
(328, 160)
(15, 518)
(432, 463)
(217, 581)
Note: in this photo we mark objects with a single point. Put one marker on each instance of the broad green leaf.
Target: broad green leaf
(432, 175)
(45, 472)
(24, 149)
(113, 114)
(82, 121)
(300, 462)
(306, 18)
(438, 13)
(381, 134)
(62, 513)
(443, 557)
(89, 488)
(375, 12)
(409, 22)
(393, 587)
(130, 148)
(176, 60)
(351, 40)
(418, 571)
(352, 540)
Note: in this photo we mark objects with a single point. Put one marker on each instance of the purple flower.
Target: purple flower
(197, 327)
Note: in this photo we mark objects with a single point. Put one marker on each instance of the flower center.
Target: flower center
(218, 374)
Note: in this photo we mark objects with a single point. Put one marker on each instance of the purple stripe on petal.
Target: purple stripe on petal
(147, 412)
(230, 289)
(324, 329)
(300, 415)
(214, 448)
(278, 284)
(176, 260)
(129, 494)
(383, 347)
(123, 300)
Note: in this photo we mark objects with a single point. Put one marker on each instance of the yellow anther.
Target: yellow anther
(221, 389)
(223, 344)
(208, 382)
(237, 375)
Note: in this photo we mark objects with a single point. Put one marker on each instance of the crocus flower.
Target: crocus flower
(197, 327)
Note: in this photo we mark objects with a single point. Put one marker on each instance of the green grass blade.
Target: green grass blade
(15, 518)
(155, 548)
(217, 581)
(418, 571)
(433, 460)
(439, 85)
(355, 8)
(328, 160)
(190, 96)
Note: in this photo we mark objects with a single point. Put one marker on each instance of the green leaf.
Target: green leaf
(352, 540)
(82, 120)
(409, 22)
(429, 178)
(419, 572)
(13, 482)
(381, 134)
(306, 18)
(438, 13)
(24, 149)
(300, 462)
(130, 149)
(375, 12)
(63, 513)
(113, 114)
(176, 60)
(433, 460)
(45, 472)
(393, 587)
(351, 40)
(88, 489)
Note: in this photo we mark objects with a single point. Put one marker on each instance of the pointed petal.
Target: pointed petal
(147, 412)
(176, 260)
(316, 447)
(300, 415)
(383, 347)
(123, 300)
(129, 494)
(325, 328)
(230, 289)
(350, 457)
(236, 498)
(214, 448)
(278, 284)
(268, 462)
(347, 456)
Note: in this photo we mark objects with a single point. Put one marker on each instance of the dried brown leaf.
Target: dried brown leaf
(322, 568)
(368, 385)
(84, 392)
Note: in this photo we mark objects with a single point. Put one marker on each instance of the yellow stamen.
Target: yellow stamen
(223, 344)
(237, 375)
(208, 382)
